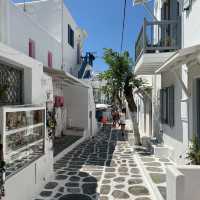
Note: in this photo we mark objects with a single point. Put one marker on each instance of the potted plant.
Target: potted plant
(194, 151)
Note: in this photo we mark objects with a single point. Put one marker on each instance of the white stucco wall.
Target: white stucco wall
(179, 136)
(176, 136)
(43, 25)
(144, 108)
(144, 116)
(183, 182)
(33, 72)
(39, 172)
(191, 25)
(79, 102)
(156, 85)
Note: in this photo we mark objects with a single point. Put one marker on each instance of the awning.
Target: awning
(102, 106)
(148, 63)
(182, 56)
(65, 76)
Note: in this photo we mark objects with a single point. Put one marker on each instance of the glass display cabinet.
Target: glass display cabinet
(22, 136)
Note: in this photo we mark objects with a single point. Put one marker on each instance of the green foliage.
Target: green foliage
(194, 151)
(119, 75)
(119, 66)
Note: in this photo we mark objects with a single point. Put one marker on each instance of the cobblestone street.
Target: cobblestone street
(102, 168)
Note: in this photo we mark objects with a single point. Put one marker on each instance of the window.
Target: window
(31, 48)
(11, 85)
(70, 36)
(78, 54)
(50, 59)
(167, 106)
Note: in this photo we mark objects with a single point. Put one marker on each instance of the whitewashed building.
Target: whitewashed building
(99, 95)
(51, 32)
(46, 31)
(40, 52)
(169, 56)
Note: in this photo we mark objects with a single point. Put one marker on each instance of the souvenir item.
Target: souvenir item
(22, 138)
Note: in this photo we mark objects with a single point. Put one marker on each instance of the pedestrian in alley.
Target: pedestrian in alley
(104, 121)
(123, 121)
(117, 118)
(114, 118)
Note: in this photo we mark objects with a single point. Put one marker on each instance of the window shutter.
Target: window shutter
(50, 59)
(72, 38)
(171, 106)
(161, 105)
(165, 105)
(31, 48)
(69, 28)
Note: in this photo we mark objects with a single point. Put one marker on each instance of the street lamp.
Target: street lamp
(144, 3)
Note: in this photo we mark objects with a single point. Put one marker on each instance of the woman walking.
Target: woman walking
(123, 121)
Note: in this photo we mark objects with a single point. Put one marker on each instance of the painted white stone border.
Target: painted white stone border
(151, 186)
(68, 149)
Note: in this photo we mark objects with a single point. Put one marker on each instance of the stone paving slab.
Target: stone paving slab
(156, 169)
(100, 168)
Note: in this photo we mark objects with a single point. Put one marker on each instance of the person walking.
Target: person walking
(123, 121)
(113, 118)
(104, 121)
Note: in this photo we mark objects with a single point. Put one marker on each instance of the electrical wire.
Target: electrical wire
(123, 26)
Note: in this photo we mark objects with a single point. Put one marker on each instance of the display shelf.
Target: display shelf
(23, 148)
(23, 133)
(23, 129)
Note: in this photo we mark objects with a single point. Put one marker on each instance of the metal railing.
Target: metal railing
(158, 36)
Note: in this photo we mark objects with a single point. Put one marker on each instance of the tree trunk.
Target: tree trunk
(119, 101)
(133, 109)
(136, 131)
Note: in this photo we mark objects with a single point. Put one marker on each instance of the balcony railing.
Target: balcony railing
(158, 36)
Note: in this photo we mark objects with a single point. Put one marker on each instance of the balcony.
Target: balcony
(156, 42)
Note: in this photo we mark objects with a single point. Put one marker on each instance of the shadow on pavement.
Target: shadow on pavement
(78, 172)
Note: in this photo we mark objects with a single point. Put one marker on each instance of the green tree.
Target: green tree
(121, 83)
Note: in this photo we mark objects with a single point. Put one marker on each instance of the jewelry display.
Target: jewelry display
(23, 137)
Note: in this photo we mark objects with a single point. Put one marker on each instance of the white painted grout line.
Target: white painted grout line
(151, 186)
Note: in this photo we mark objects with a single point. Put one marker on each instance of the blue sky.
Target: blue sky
(102, 19)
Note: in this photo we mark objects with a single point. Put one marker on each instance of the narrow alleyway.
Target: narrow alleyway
(102, 168)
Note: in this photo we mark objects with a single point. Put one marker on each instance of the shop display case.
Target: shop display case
(22, 136)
